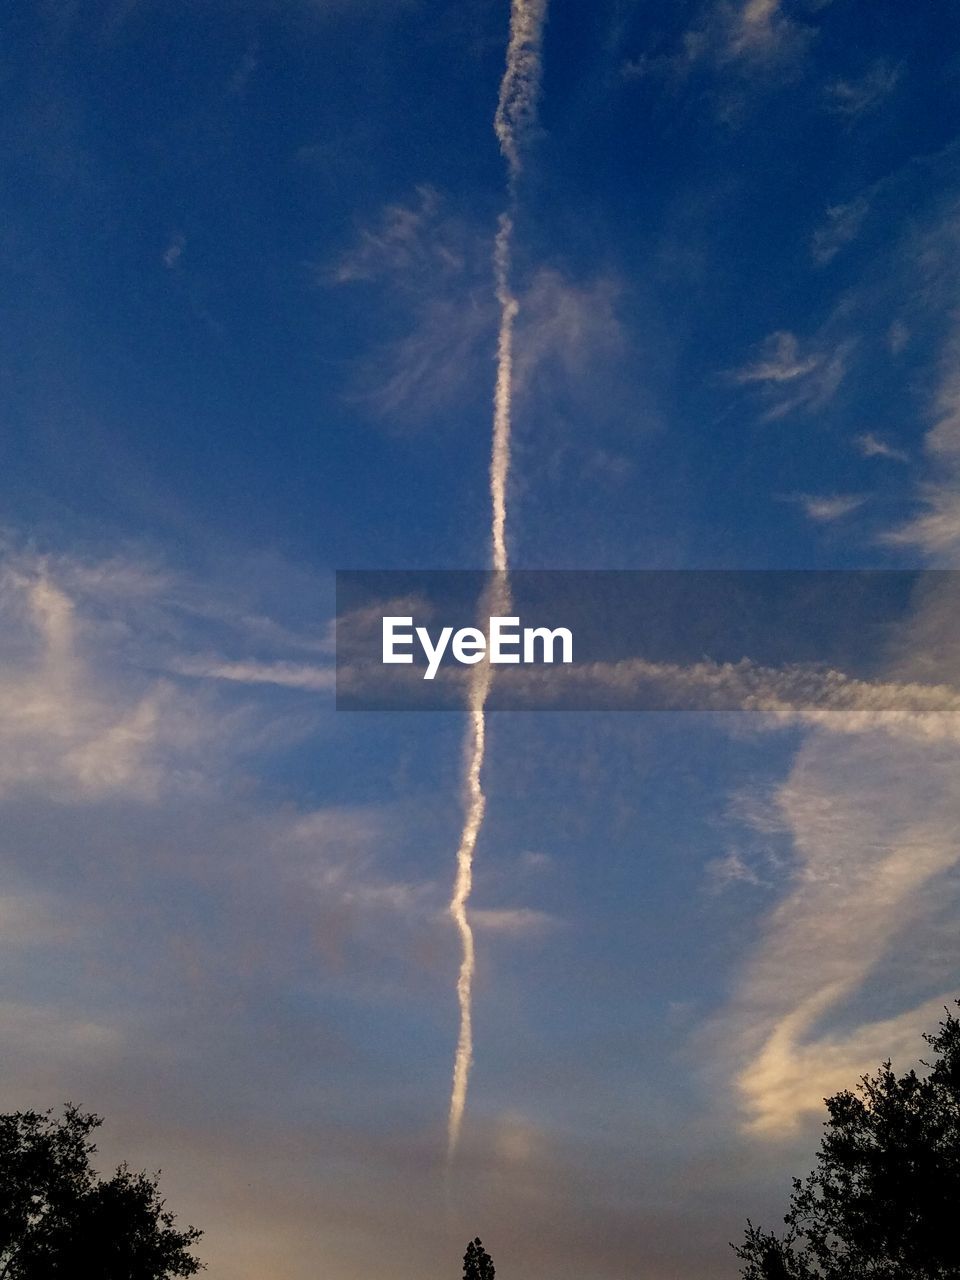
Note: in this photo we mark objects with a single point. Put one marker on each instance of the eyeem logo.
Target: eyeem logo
(507, 643)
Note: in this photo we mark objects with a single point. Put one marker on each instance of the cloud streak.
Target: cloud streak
(854, 98)
(826, 508)
(871, 446)
(63, 729)
(845, 974)
(936, 530)
(872, 824)
(793, 378)
(288, 675)
(840, 229)
(514, 117)
(520, 86)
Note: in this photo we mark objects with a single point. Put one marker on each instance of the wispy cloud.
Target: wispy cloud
(751, 37)
(174, 252)
(147, 853)
(741, 47)
(840, 229)
(871, 827)
(871, 446)
(90, 701)
(434, 270)
(516, 113)
(290, 675)
(430, 368)
(567, 329)
(67, 727)
(923, 710)
(794, 376)
(779, 361)
(824, 509)
(872, 821)
(728, 870)
(936, 530)
(898, 335)
(432, 267)
(760, 29)
(410, 245)
(854, 98)
(518, 921)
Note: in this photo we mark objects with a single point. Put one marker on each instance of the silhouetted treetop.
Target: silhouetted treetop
(60, 1221)
(884, 1198)
(477, 1263)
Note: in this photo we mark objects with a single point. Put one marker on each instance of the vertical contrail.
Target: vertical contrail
(520, 86)
(515, 114)
(500, 448)
(475, 802)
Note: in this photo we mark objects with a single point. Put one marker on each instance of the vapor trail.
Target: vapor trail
(515, 114)
(475, 803)
(520, 86)
(502, 408)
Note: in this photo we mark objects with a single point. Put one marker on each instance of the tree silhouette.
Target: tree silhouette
(882, 1201)
(477, 1263)
(60, 1221)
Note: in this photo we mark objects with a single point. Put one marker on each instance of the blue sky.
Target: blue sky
(249, 338)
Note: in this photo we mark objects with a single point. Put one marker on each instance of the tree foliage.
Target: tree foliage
(883, 1199)
(477, 1263)
(60, 1220)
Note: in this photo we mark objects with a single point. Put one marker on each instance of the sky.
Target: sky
(250, 338)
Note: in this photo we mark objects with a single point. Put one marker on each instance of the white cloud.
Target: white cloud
(761, 29)
(755, 35)
(536, 860)
(854, 98)
(565, 328)
(925, 709)
(789, 1079)
(746, 43)
(290, 675)
(190, 952)
(173, 252)
(872, 825)
(730, 869)
(793, 377)
(826, 509)
(83, 710)
(434, 267)
(936, 530)
(943, 439)
(437, 273)
(430, 368)
(779, 361)
(412, 244)
(898, 335)
(56, 727)
(840, 229)
(871, 446)
(512, 920)
(873, 820)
